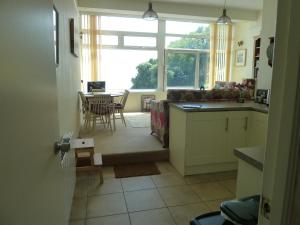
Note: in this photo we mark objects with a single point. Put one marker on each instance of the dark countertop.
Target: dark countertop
(253, 155)
(220, 106)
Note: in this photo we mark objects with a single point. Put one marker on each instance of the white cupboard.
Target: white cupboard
(203, 142)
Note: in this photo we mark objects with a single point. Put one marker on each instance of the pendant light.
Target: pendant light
(224, 19)
(150, 14)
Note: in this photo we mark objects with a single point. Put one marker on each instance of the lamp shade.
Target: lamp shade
(150, 14)
(224, 19)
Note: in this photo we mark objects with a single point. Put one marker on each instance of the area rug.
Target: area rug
(138, 120)
(135, 170)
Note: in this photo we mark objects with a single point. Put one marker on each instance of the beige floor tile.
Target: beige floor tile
(215, 204)
(122, 219)
(137, 183)
(211, 191)
(81, 187)
(166, 180)
(152, 217)
(109, 186)
(183, 214)
(179, 195)
(78, 210)
(166, 168)
(143, 200)
(230, 185)
(77, 222)
(106, 205)
(226, 175)
(201, 178)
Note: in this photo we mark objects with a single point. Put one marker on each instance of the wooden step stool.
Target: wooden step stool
(85, 156)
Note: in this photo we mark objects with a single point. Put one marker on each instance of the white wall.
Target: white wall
(68, 71)
(268, 30)
(244, 31)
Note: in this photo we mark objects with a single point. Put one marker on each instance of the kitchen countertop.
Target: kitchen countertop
(220, 106)
(252, 155)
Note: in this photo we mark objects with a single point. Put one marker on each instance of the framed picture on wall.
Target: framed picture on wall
(240, 57)
(56, 35)
(74, 42)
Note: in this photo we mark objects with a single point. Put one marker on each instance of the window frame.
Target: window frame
(197, 53)
(160, 47)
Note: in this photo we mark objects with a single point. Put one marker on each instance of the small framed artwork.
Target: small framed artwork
(240, 57)
(74, 42)
(56, 35)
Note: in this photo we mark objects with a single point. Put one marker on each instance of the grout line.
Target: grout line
(172, 217)
(126, 204)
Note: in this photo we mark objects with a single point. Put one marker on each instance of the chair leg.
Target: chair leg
(122, 117)
(109, 122)
(114, 120)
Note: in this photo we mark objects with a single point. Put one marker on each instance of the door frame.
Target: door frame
(282, 159)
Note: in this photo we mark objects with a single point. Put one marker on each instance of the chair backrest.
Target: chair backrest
(84, 101)
(124, 99)
(101, 104)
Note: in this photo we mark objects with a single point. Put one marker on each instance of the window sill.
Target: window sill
(143, 90)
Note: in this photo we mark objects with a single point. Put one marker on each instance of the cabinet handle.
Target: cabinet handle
(246, 123)
(227, 124)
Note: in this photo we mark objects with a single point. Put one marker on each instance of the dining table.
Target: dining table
(111, 93)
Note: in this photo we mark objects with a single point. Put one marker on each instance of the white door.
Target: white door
(34, 189)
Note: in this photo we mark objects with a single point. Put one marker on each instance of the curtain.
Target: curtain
(220, 48)
(90, 48)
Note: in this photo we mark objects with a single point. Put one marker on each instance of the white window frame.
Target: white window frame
(160, 47)
(197, 53)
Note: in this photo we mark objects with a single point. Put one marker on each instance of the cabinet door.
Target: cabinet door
(206, 138)
(257, 129)
(237, 131)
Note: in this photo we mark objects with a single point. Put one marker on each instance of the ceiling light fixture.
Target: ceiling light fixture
(150, 14)
(224, 19)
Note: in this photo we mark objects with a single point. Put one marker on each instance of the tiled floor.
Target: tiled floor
(166, 199)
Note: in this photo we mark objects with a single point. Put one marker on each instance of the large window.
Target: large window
(129, 53)
(126, 56)
(129, 69)
(187, 55)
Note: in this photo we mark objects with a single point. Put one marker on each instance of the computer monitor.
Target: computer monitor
(99, 85)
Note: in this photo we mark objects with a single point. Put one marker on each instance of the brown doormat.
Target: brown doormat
(135, 170)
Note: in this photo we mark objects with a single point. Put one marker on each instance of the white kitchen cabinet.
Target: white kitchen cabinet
(257, 129)
(203, 142)
(206, 134)
(237, 131)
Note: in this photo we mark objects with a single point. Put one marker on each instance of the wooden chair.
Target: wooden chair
(101, 108)
(119, 107)
(85, 109)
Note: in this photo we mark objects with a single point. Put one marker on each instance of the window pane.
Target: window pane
(125, 69)
(128, 24)
(140, 41)
(109, 40)
(181, 70)
(170, 40)
(187, 43)
(175, 27)
(204, 70)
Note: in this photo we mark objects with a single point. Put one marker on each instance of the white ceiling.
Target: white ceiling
(241, 4)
